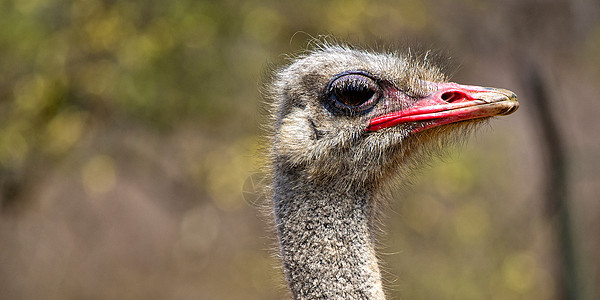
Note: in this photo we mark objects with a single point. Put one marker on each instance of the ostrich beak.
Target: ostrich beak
(451, 103)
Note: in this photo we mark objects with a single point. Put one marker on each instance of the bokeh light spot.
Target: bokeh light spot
(453, 178)
(471, 223)
(346, 16)
(64, 131)
(28, 6)
(99, 175)
(199, 229)
(227, 172)
(519, 272)
(30, 93)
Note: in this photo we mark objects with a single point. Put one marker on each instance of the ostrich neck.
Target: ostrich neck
(326, 240)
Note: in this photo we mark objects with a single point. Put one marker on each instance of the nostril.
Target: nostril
(451, 96)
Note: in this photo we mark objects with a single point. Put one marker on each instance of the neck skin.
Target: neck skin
(326, 240)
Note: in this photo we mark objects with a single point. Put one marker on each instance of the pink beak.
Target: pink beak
(451, 103)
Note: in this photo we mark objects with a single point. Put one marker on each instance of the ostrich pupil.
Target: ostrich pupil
(354, 94)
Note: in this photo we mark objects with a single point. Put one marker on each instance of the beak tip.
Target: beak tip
(509, 94)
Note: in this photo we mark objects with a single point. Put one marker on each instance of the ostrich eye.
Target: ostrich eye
(353, 90)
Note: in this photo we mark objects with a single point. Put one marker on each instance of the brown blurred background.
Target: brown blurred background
(128, 129)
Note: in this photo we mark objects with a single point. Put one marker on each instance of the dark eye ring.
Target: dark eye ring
(354, 91)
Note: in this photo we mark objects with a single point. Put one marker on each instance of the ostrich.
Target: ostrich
(344, 122)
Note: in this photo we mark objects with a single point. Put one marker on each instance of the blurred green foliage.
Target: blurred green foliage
(70, 68)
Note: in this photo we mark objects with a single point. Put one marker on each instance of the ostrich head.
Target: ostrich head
(345, 121)
(354, 116)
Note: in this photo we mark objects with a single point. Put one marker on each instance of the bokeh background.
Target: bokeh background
(128, 130)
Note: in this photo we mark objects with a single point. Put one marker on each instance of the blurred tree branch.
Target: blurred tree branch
(556, 186)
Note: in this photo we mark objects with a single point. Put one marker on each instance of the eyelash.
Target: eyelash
(360, 91)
